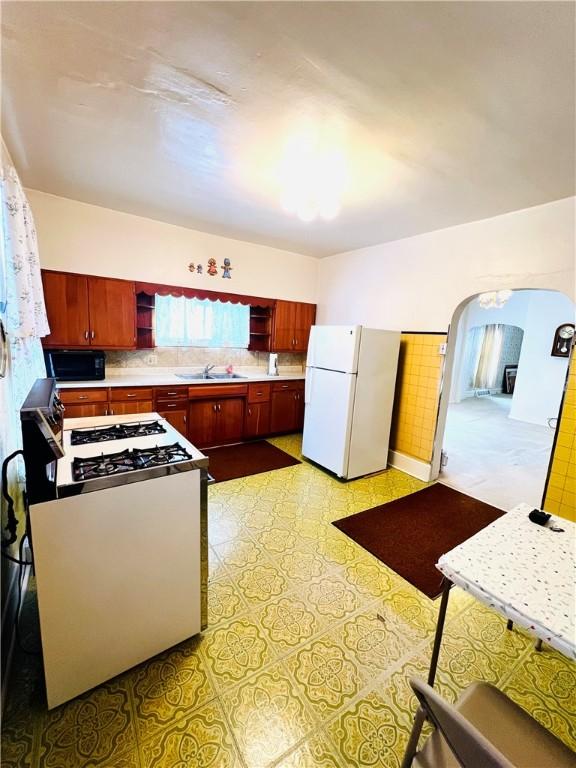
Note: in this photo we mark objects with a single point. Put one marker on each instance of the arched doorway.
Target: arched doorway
(498, 439)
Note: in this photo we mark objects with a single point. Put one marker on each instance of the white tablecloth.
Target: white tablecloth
(523, 570)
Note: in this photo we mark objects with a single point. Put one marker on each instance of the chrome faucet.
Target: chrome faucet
(207, 369)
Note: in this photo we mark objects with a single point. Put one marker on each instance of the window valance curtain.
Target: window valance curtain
(159, 289)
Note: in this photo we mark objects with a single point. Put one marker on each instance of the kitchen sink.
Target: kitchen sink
(208, 376)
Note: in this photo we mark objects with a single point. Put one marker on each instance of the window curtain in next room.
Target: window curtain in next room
(489, 352)
(23, 314)
(183, 322)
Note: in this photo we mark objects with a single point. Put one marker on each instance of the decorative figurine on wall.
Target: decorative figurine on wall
(226, 269)
(212, 269)
(199, 269)
(191, 266)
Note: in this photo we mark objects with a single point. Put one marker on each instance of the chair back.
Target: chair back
(469, 746)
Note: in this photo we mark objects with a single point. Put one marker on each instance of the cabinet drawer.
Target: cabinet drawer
(258, 393)
(171, 394)
(217, 391)
(70, 396)
(130, 393)
(291, 386)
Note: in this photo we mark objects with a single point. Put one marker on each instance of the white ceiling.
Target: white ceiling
(448, 112)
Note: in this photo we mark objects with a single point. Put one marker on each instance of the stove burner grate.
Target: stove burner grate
(115, 432)
(108, 464)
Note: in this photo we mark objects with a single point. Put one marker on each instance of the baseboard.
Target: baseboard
(410, 465)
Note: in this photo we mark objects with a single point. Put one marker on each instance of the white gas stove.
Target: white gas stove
(120, 554)
(102, 450)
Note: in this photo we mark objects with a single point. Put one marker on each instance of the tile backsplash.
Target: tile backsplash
(186, 357)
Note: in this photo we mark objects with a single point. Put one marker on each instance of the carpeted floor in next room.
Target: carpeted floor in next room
(295, 670)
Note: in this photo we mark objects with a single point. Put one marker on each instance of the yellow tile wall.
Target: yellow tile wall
(417, 393)
(560, 495)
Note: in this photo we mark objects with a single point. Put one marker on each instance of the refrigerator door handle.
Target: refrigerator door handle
(308, 384)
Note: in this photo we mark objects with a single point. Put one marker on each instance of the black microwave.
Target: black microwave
(75, 364)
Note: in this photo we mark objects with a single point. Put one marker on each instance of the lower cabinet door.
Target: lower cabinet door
(122, 407)
(176, 417)
(202, 422)
(87, 409)
(257, 420)
(284, 415)
(230, 420)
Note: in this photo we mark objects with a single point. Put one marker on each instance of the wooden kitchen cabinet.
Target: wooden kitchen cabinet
(86, 311)
(112, 309)
(66, 298)
(257, 420)
(304, 317)
(123, 407)
(176, 416)
(86, 409)
(291, 326)
(216, 421)
(287, 407)
(230, 420)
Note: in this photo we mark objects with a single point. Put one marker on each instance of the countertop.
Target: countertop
(143, 379)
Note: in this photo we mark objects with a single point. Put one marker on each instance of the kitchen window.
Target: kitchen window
(182, 322)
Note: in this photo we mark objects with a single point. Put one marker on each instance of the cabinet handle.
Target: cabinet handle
(82, 397)
(295, 342)
(214, 408)
(92, 335)
(284, 386)
(185, 419)
(249, 411)
(258, 393)
(171, 393)
(111, 412)
(86, 335)
(130, 395)
(171, 405)
(219, 407)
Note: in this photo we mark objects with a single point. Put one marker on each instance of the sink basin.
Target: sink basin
(209, 376)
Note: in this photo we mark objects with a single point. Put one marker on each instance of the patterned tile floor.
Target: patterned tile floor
(295, 670)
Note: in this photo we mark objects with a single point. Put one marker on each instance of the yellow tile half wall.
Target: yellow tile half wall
(420, 369)
(560, 493)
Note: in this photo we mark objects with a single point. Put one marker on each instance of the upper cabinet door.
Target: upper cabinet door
(283, 326)
(291, 327)
(112, 306)
(305, 316)
(66, 297)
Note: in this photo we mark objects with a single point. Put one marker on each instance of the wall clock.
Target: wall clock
(563, 340)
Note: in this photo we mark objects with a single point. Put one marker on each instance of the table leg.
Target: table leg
(420, 716)
(439, 631)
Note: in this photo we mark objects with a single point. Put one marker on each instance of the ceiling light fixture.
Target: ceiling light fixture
(313, 173)
(494, 299)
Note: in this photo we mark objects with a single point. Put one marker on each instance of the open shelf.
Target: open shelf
(260, 328)
(145, 336)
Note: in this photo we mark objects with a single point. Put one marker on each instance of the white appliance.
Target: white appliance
(118, 555)
(350, 382)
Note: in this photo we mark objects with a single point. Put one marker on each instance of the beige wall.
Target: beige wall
(78, 237)
(416, 284)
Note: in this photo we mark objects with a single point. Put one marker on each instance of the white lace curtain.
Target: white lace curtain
(182, 322)
(486, 347)
(22, 310)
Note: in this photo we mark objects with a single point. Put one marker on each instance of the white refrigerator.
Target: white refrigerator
(350, 382)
